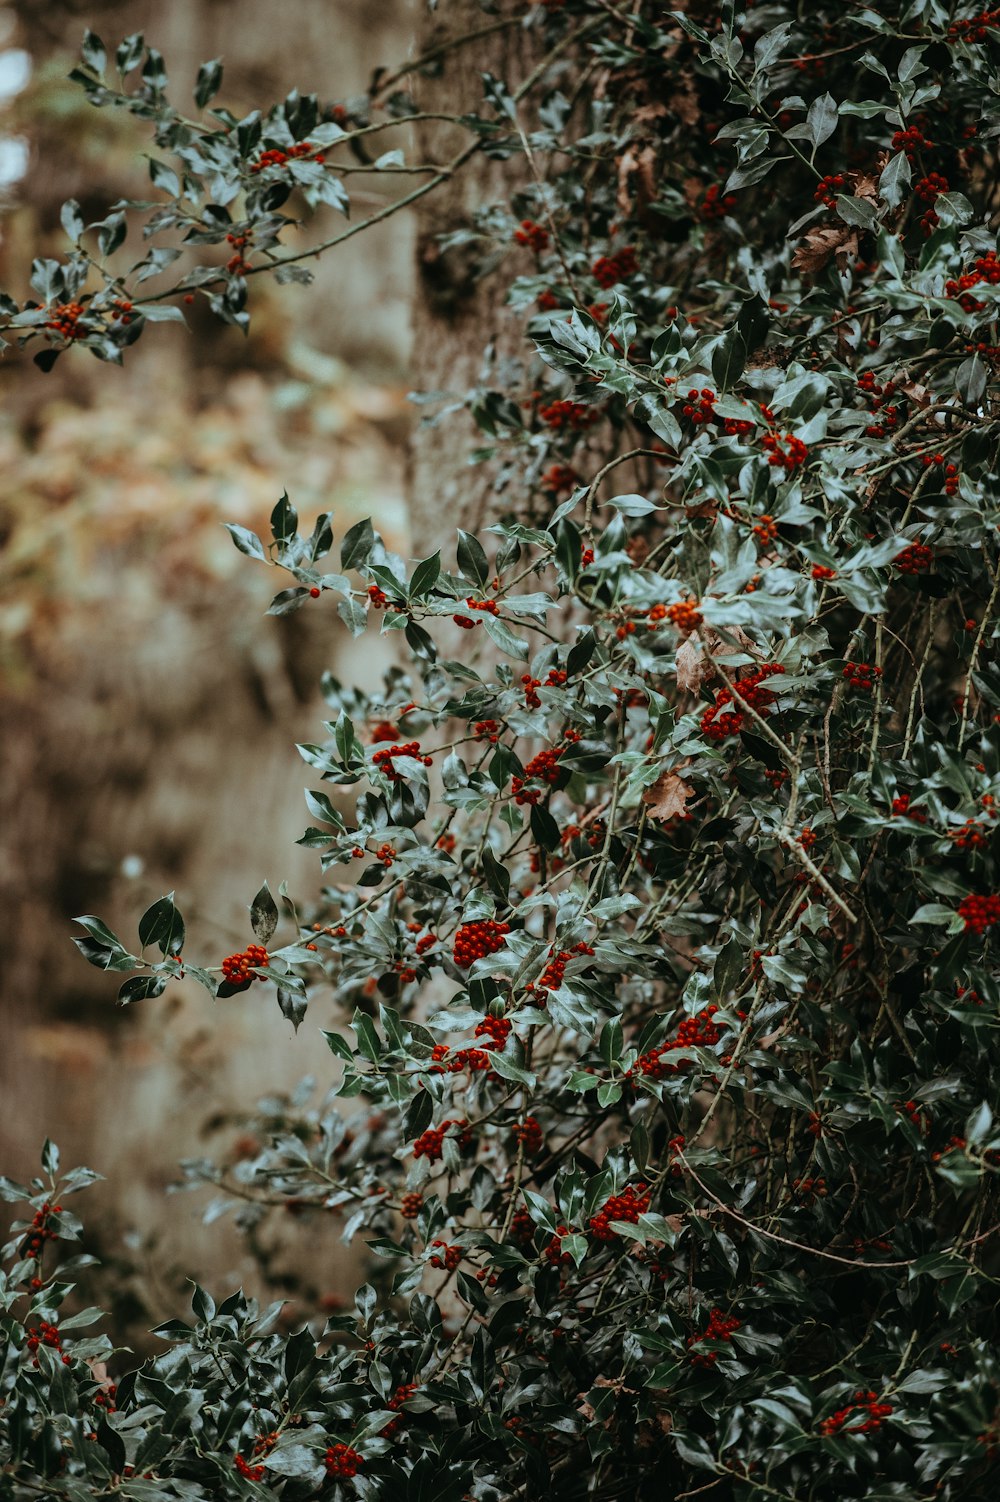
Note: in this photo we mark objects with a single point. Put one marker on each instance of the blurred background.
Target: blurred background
(149, 707)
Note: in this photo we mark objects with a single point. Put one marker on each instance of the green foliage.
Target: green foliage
(659, 921)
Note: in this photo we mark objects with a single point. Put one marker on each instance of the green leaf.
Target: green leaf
(248, 542)
(894, 179)
(263, 915)
(504, 638)
(208, 82)
(357, 545)
(472, 561)
(141, 988)
(508, 1069)
(856, 211)
(162, 925)
(425, 576)
(94, 53)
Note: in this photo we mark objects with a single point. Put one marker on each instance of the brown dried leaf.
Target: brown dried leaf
(668, 796)
(692, 668)
(823, 241)
(866, 186)
(638, 162)
(917, 393)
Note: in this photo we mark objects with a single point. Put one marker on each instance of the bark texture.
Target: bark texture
(461, 329)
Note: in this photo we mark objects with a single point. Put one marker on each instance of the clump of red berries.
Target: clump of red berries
(448, 1257)
(563, 413)
(862, 675)
(411, 1204)
(385, 758)
(607, 270)
(45, 1334)
(476, 940)
(529, 1134)
(915, 559)
(901, 808)
(699, 1031)
(829, 186)
(718, 722)
(627, 1206)
(274, 156)
(40, 1231)
(239, 969)
(979, 912)
(700, 406)
(342, 1462)
(864, 1403)
(716, 204)
(551, 977)
(986, 269)
(534, 236)
(791, 457)
(720, 1327)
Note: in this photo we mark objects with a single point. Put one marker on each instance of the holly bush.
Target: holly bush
(657, 928)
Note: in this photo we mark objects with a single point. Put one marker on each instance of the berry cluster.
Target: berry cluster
(979, 912)
(911, 140)
(342, 1462)
(987, 269)
(971, 836)
(901, 808)
(248, 1471)
(976, 27)
(65, 320)
(378, 597)
(44, 1334)
(563, 413)
(238, 969)
(920, 1120)
(429, 1144)
(607, 270)
(404, 1391)
(40, 1232)
(861, 675)
(275, 157)
(551, 977)
(829, 186)
(699, 1031)
(529, 1134)
(559, 478)
(717, 723)
(807, 1190)
(553, 1251)
(700, 405)
(720, 1327)
(950, 471)
(915, 559)
(822, 571)
(716, 204)
(864, 1402)
(879, 401)
(384, 758)
(411, 1205)
(684, 616)
(448, 1258)
(474, 941)
(791, 457)
(487, 730)
(627, 1206)
(534, 236)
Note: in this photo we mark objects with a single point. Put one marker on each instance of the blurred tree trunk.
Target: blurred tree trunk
(459, 319)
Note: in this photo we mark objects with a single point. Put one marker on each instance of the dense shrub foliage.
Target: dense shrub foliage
(658, 931)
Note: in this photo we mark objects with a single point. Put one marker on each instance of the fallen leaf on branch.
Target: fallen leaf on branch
(668, 796)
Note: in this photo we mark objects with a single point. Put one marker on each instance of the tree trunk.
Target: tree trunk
(460, 325)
